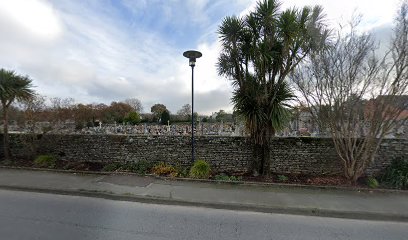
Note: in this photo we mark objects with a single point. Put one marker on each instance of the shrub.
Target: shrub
(140, 167)
(163, 169)
(201, 169)
(111, 167)
(396, 175)
(235, 179)
(132, 118)
(282, 178)
(45, 161)
(372, 182)
(222, 177)
(183, 171)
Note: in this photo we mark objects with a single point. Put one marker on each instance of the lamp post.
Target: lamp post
(192, 55)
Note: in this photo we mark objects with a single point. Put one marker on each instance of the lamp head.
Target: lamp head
(192, 55)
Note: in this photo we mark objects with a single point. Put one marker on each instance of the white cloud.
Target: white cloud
(375, 12)
(34, 16)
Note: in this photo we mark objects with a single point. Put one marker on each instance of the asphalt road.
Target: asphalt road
(26, 215)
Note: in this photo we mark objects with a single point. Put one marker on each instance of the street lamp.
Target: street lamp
(192, 55)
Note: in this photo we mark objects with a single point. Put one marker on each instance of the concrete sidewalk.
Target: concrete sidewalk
(373, 205)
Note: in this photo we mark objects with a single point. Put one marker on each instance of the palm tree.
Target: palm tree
(258, 52)
(12, 87)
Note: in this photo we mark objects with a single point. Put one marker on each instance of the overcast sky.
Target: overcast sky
(102, 51)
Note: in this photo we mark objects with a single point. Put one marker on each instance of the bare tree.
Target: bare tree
(33, 109)
(61, 109)
(58, 103)
(361, 94)
(185, 112)
(135, 103)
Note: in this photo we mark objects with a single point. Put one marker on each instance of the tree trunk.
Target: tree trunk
(355, 178)
(355, 168)
(7, 154)
(266, 171)
(351, 174)
(257, 159)
(266, 163)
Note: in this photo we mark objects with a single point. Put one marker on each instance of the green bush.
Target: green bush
(132, 118)
(222, 177)
(111, 167)
(396, 175)
(140, 167)
(372, 182)
(45, 161)
(201, 169)
(235, 179)
(183, 171)
(282, 178)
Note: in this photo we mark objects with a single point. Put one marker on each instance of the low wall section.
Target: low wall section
(314, 156)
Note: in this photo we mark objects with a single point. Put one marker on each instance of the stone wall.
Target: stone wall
(317, 156)
(314, 156)
(223, 153)
(390, 149)
(304, 155)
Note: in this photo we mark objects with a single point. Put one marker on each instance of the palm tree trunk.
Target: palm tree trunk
(266, 167)
(6, 144)
(257, 159)
(266, 160)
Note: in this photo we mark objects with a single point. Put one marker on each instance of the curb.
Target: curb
(241, 183)
(287, 185)
(237, 207)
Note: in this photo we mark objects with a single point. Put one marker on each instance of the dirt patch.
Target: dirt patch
(81, 166)
(64, 165)
(300, 179)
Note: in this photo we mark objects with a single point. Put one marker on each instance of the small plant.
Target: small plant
(163, 169)
(140, 167)
(282, 178)
(45, 161)
(111, 167)
(183, 171)
(396, 175)
(222, 177)
(201, 169)
(372, 182)
(235, 178)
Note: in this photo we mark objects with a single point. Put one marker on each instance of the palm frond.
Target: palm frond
(14, 87)
(230, 30)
